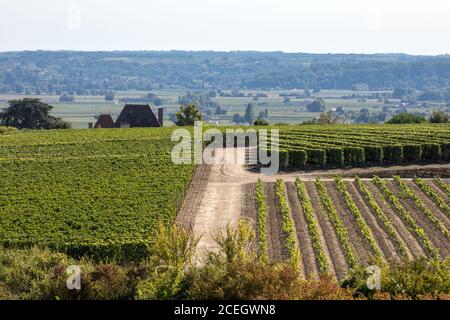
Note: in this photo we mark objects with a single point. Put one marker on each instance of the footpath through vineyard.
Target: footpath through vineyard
(222, 193)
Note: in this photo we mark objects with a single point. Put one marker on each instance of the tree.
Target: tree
(30, 113)
(110, 95)
(406, 118)
(237, 118)
(249, 114)
(261, 122)
(266, 114)
(317, 105)
(188, 115)
(439, 116)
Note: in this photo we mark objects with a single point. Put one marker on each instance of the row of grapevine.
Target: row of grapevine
(337, 223)
(422, 206)
(288, 225)
(386, 222)
(406, 216)
(433, 195)
(443, 185)
(312, 226)
(262, 219)
(362, 224)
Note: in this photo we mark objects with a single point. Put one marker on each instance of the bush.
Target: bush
(431, 151)
(393, 153)
(335, 156)
(317, 157)
(412, 152)
(404, 118)
(373, 154)
(297, 158)
(354, 155)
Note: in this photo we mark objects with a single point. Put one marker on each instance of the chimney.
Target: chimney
(161, 116)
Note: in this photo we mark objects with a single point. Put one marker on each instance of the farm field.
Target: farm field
(94, 192)
(328, 225)
(85, 108)
(338, 146)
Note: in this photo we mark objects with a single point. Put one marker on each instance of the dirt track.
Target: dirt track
(215, 196)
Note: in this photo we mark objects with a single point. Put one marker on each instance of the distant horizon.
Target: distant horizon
(228, 51)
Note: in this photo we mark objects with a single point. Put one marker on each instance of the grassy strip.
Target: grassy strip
(433, 195)
(443, 185)
(337, 223)
(389, 228)
(410, 222)
(362, 224)
(288, 225)
(262, 220)
(422, 206)
(312, 226)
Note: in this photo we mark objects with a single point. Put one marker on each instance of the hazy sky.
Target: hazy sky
(414, 26)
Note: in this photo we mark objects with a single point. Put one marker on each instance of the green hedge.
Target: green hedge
(431, 151)
(284, 158)
(373, 154)
(316, 157)
(297, 158)
(393, 153)
(412, 152)
(335, 156)
(354, 155)
(445, 150)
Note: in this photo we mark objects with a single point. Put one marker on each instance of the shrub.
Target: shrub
(354, 155)
(335, 156)
(297, 158)
(412, 152)
(393, 153)
(431, 151)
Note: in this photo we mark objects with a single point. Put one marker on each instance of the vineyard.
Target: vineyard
(333, 225)
(95, 192)
(338, 146)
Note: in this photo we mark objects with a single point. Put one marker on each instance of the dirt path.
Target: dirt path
(215, 196)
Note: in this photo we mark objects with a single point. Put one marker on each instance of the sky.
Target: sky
(315, 26)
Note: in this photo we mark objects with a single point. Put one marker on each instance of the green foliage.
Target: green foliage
(297, 158)
(443, 185)
(433, 195)
(318, 105)
(288, 226)
(188, 115)
(373, 154)
(354, 155)
(98, 193)
(412, 152)
(30, 113)
(312, 226)
(431, 151)
(418, 279)
(337, 223)
(406, 216)
(393, 153)
(261, 122)
(422, 206)
(316, 157)
(362, 224)
(262, 220)
(283, 158)
(387, 224)
(335, 156)
(403, 118)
